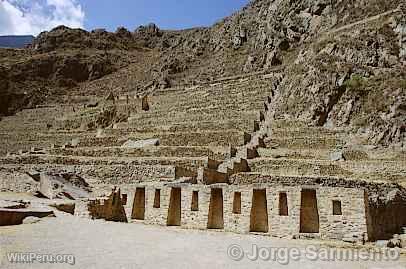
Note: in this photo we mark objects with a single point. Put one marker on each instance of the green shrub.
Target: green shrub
(402, 83)
(355, 82)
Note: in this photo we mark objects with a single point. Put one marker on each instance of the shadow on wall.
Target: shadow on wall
(387, 217)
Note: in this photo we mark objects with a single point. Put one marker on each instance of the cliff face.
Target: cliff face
(351, 76)
(343, 61)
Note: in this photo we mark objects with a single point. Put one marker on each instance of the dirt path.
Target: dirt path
(98, 244)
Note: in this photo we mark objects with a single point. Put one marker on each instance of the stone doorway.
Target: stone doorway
(259, 212)
(309, 213)
(216, 217)
(175, 208)
(138, 212)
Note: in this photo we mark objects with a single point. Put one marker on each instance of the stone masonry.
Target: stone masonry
(352, 220)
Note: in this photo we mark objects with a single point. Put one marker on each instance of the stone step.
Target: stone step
(305, 142)
(206, 111)
(222, 137)
(354, 169)
(145, 120)
(209, 138)
(209, 92)
(238, 124)
(160, 151)
(233, 166)
(309, 131)
(209, 107)
(220, 88)
(287, 153)
(33, 161)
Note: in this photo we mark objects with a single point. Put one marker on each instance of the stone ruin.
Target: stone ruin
(110, 209)
(226, 195)
(204, 160)
(289, 207)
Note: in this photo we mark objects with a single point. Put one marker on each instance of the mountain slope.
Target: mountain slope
(343, 62)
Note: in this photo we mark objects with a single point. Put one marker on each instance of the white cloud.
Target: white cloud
(26, 17)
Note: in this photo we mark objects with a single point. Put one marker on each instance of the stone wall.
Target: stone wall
(111, 174)
(16, 216)
(110, 209)
(353, 220)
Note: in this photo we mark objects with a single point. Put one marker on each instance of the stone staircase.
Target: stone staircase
(194, 126)
(209, 133)
(237, 162)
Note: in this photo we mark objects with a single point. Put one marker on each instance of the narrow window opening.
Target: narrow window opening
(237, 203)
(195, 201)
(157, 199)
(337, 208)
(283, 204)
(124, 199)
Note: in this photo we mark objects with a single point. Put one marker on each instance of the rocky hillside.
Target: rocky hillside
(343, 61)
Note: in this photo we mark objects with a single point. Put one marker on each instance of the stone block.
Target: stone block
(141, 143)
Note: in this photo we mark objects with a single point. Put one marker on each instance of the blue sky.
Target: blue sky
(34, 16)
(167, 14)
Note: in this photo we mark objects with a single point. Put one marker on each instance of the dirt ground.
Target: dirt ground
(100, 244)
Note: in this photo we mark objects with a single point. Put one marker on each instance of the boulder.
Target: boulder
(283, 45)
(66, 207)
(75, 142)
(163, 82)
(273, 58)
(35, 175)
(123, 32)
(100, 133)
(337, 156)
(239, 37)
(92, 104)
(17, 216)
(141, 143)
(150, 29)
(12, 204)
(68, 186)
(249, 64)
(352, 238)
(31, 220)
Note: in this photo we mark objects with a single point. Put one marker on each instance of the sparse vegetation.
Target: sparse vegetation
(402, 84)
(356, 82)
